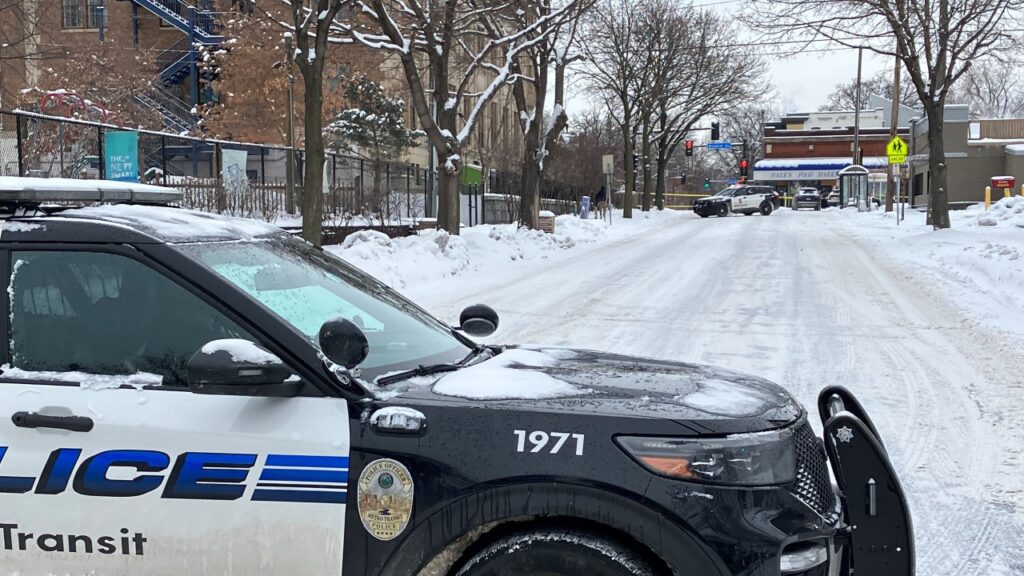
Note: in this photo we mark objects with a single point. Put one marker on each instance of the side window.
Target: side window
(106, 314)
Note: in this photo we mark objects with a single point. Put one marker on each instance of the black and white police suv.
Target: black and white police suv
(741, 199)
(186, 393)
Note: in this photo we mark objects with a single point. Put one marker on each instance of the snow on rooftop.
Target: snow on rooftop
(18, 184)
(177, 225)
(824, 163)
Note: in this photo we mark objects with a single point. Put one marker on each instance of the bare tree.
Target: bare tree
(703, 81)
(310, 21)
(619, 68)
(592, 134)
(994, 89)
(745, 123)
(548, 47)
(936, 40)
(450, 61)
(845, 94)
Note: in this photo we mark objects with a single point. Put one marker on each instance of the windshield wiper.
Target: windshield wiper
(433, 368)
(419, 371)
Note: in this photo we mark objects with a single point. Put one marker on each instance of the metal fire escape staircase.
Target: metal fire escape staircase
(180, 60)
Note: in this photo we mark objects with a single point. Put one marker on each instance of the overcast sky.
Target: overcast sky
(797, 83)
(802, 83)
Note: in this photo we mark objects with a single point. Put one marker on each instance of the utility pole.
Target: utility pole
(289, 157)
(856, 132)
(891, 193)
(856, 111)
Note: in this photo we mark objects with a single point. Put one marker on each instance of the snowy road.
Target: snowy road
(797, 298)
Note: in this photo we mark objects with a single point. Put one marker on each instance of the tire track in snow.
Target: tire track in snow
(798, 299)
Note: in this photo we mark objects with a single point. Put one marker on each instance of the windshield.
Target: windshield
(305, 287)
(726, 192)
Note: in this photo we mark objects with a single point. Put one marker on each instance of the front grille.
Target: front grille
(813, 485)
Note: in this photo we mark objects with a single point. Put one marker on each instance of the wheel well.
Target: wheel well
(500, 530)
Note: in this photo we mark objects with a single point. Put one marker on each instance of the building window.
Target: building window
(81, 13)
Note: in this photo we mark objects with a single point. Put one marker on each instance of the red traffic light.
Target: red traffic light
(689, 147)
(743, 167)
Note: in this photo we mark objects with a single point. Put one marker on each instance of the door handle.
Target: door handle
(33, 420)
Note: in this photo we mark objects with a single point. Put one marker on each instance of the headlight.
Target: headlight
(761, 459)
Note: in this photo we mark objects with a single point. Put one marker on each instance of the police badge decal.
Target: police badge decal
(385, 498)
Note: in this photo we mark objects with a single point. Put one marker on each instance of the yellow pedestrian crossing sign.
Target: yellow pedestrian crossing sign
(896, 150)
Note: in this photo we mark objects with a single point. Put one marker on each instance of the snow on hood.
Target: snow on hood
(509, 375)
(580, 381)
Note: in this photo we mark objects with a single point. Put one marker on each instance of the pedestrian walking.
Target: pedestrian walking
(601, 198)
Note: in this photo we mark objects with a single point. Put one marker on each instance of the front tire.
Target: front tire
(556, 552)
(723, 210)
(766, 209)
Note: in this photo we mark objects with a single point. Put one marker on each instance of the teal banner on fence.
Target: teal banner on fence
(121, 156)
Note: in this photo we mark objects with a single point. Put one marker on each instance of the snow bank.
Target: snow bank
(433, 256)
(1005, 212)
(978, 262)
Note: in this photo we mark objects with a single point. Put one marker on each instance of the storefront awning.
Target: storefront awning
(809, 169)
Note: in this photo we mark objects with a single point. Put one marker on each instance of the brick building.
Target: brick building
(809, 149)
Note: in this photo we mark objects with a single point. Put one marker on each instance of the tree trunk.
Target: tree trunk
(645, 147)
(627, 197)
(378, 178)
(448, 195)
(938, 195)
(659, 195)
(313, 179)
(529, 199)
(529, 192)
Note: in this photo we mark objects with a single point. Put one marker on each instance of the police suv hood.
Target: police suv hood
(713, 198)
(702, 398)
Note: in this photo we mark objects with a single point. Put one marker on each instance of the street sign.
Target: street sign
(731, 181)
(896, 150)
(608, 164)
(1003, 182)
(719, 145)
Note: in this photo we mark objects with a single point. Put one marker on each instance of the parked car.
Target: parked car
(807, 198)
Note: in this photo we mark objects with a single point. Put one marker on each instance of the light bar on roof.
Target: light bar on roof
(41, 190)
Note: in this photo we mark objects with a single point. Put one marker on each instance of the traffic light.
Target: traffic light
(689, 147)
(707, 183)
(683, 177)
(715, 132)
(636, 163)
(744, 165)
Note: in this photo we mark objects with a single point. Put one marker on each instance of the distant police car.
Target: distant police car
(741, 199)
(192, 394)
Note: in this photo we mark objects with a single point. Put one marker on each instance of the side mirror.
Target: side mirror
(238, 367)
(343, 342)
(478, 320)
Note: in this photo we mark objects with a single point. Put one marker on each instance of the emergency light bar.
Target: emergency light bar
(40, 190)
